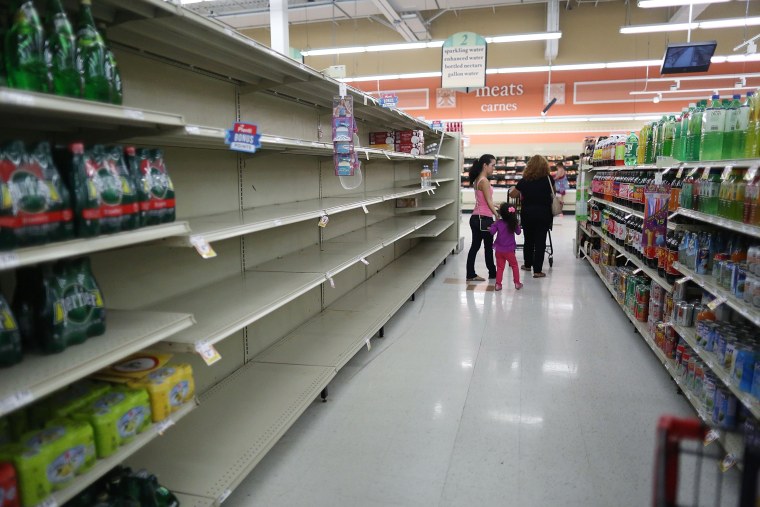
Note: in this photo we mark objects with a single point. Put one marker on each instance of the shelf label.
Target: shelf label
(342, 89)
(728, 462)
(715, 303)
(711, 437)
(20, 99)
(680, 172)
(636, 271)
(369, 346)
(364, 207)
(366, 154)
(16, 400)
(208, 352)
(48, 502)
(192, 129)
(438, 183)
(364, 261)
(202, 247)
(224, 496)
(278, 222)
(9, 260)
(134, 114)
(332, 282)
(751, 172)
(683, 280)
(658, 177)
(323, 221)
(164, 425)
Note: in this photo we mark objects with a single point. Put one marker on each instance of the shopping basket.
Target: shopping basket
(689, 473)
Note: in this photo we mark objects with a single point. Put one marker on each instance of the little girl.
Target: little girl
(504, 244)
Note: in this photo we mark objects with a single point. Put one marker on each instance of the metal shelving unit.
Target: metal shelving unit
(428, 204)
(287, 378)
(432, 230)
(127, 333)
(53, 251)
(651, 273)
(676, 164)
(733, 225)
(619, 207)
(708, 283)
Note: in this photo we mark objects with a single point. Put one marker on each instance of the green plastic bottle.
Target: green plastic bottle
(726, 193)
(751, 142)
(732, 118)
(679, 137)
(112, 71)
(713, 129)
(61, 52)
(710, 192)
(631, 149)
(695, 127)
(685, 129)
(85, 197)
(649, 149)
(660, 139)
(25, 49)
(741, 125)
(92, 56)
(668, 135)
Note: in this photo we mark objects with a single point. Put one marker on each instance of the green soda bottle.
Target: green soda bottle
(732, 115)
(713, 129)
(685, 129)
(709, 192)
(61, 52)
(751, 143)
(740, 129)
(92, 56)
(660, 137)
(695, 125)
(668, 135)
(631, 149)
(24, 49)
(736, 210)
(112, 70)
(726, 193)
(649, 149)
(679, 138)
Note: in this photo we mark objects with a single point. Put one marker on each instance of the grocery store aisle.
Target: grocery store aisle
(541, 397)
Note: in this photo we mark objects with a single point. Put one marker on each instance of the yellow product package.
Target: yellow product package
(169, 388)
(134, 367)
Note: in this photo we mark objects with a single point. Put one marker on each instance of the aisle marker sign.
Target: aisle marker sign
(463, 61)
(243, 137)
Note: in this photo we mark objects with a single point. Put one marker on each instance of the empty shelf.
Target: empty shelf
(427, 204)
(432, 230)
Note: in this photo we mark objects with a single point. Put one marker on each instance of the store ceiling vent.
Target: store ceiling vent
(335, 71)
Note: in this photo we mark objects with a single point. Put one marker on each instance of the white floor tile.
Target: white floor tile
(538, 397)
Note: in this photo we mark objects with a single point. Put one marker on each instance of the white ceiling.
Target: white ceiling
(242, 14)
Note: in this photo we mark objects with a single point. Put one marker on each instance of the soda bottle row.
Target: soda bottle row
(53, 57)
(624, 188)
(48, 195)
(728, 193)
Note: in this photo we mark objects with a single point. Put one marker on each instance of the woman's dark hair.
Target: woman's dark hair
(477, 166)
(510, 217)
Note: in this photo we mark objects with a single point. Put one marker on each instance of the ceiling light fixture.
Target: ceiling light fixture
(730, 23)
(693, 90)
(657, 98)
(662, 27)
(518, 37)
(647, 4)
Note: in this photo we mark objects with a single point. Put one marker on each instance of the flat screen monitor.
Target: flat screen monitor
(688, 57)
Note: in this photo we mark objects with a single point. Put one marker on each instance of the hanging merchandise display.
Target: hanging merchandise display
(343, 129)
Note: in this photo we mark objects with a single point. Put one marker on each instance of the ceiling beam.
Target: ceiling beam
(387, 10)
(682, 14)
(552, 25)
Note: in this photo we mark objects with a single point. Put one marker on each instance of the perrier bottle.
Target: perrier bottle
(24, 49)
(61, 52)
(112, 70)
(91, 57)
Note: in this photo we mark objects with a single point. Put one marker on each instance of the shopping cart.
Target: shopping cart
(686, 470)
(517, 203)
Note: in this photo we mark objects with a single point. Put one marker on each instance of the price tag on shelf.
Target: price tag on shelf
(726, 172)
(658, 177)
(705, 173)
(438, 183)
(364, 261)
(369, 346)
(134, 114)
(48, 502)
(636, 271)
(683, 280)
(278, 222)
(192, 129)
(16, 400)
(224, 496)
(323, 221)
(366, 154)
(342, 89)
(202, 247)
(164, 425)
(751, 172)
(715, 303)
(680, 171)
(9, 260)
(364, 207)
(332, 282)
(728, 462)
(711, 437)
(430, 192)
(208, 352)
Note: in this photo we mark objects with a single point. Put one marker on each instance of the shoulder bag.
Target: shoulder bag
(556, 200)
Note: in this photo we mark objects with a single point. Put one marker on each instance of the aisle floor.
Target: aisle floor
(538, 397)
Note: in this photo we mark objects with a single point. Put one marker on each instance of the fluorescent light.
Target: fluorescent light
(580, 66)
(662, 27)
(560, 119)
(646, 4)
(637, 63)
(694, 90)
(518, 37)
(612, 118)
(730, 22)
(523, 37)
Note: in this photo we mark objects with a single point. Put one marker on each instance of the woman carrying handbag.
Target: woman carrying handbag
(482, 217)
(537, 192)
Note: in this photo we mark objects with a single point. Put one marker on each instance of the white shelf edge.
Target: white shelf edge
(741, 162)
(441, 203)
(432, 230)
(87, 364)
(707, 284)
(729, 442)
(651, 273)
(58, 250)
(619, 207)
(689, 336)
(103, 466)
(750, 230)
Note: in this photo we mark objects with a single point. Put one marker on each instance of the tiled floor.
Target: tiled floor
(541, 397)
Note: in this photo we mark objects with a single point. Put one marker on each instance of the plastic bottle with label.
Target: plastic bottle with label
(713, 129)
(751, 140)
(631, 149)
(685, 129)
(10, 336)
(695, 130)
(741, 125)
(668, 135)
(731, 130)
(60, 52)
(91, 56)
(24, 48)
